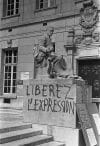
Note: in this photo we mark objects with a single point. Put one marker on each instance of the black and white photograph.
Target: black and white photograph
(49, 72)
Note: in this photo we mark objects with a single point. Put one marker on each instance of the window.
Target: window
(43, 4)
(10, 71)
(10, 7)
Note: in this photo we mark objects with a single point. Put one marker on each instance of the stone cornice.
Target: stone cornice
(40, 20)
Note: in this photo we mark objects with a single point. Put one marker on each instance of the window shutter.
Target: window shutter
(4, 7)
(37, 4)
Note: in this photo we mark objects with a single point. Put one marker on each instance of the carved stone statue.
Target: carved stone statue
(44, 55)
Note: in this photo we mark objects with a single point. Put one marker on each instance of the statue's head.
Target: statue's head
(50, 31)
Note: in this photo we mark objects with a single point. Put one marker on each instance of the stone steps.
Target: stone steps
(31, 141)
(19, 134)
(22, 134)
(52, 143)
(8, 127)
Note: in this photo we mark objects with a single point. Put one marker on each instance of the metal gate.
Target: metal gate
(89, 70)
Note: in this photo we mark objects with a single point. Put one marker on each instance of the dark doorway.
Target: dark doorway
(89, 70)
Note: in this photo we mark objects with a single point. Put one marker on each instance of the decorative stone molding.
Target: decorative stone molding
(3, 44)
(88, 20)
(15, 43)
(89, 17)
(87, 39)
(8, 44)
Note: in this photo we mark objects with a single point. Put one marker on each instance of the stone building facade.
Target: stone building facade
(76, 36)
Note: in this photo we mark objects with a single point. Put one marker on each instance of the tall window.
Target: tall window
(10, 7)
(43, 4)
(10, 71)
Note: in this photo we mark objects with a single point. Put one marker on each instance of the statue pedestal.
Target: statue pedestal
(51, 105)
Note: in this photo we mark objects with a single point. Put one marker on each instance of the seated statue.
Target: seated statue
(44, 49)
(44, 54)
